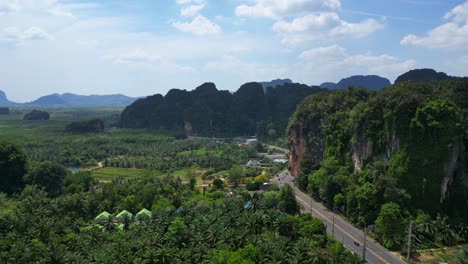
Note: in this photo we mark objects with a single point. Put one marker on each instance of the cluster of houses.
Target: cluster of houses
(121, 219)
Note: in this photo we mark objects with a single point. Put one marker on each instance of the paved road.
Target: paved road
(343, 231)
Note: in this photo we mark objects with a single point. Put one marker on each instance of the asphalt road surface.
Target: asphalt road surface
(343, 231)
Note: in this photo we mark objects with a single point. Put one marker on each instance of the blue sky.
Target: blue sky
(143, 47)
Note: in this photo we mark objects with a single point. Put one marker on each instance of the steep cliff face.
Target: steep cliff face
(306, 145)
(409, 134)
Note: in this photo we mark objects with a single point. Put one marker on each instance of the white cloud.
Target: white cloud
(323, 26)
(323, 52)
(184, 2)
(280, 8)
(53, 7)
(18, 36)
(451, 35)
(336, 60)
(191, 10)
(200, 25)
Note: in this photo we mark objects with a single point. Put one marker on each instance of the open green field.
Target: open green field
(108, 174)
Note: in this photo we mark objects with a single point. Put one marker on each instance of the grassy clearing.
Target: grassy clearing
(430, 256)
(108, 174)
(201, 152)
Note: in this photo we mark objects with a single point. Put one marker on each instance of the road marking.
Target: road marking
(346, 233)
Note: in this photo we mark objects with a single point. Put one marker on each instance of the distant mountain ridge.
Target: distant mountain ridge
(276, 82)
(370, 82)
(251, 110)
(4, 100)
(69, 99)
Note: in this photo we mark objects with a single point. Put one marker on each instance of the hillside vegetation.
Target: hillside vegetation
(208, 111)
(398, 153)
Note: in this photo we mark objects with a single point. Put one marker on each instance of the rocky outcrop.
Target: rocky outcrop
(408, 134)
(307, 145)
(449, 170)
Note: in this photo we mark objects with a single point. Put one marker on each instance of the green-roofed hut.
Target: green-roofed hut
(144, 213)
(124, 212)
(102, 216)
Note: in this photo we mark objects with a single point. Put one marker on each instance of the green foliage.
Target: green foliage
(235, 175)
(288, 202)
(81, 181)
(462, 255)
(91, 126)
(37, 115)
(405, 145)
(12, 167)
(391, 225)
(208, 111)
(215, 230)
(422, 75)
(49, 176)
(218, 183)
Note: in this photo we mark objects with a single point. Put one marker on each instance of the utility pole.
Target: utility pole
(311, 201)
(365, 244)
(409, 240)
(333, 227)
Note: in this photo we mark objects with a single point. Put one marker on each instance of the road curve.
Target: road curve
(350, 236)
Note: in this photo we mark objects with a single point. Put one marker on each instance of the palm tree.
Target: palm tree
(462, 256)
(109, 224)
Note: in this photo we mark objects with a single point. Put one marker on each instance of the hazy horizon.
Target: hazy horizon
(139, 49)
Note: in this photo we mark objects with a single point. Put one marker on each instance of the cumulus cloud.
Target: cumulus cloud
(450, 35)
(299, 21)
(323, 26)
(200, 25)
(280, 8)
(191, 10)
(336, 59)
(18, 36)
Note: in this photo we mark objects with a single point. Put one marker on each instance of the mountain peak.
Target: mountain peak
(423, 75)
(276, 82)
(370, 82)
(4, 99)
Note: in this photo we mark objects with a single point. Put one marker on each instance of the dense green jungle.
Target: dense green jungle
(81, 187)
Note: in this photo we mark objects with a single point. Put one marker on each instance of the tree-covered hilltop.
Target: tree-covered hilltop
(423, 75)
(208, 111)
(391, 152)
(37, 115)
(370, 82)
